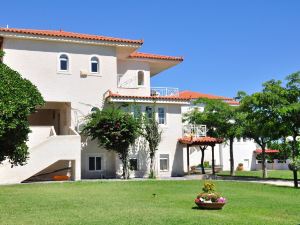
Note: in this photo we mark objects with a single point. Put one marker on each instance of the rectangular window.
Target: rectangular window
(161, 116)
(63, 65)
(136, 111)
(98, 163)
(125, 107)
(133, 165)
(140, 78)
(91, 163)
(149, 112)
(246, 162)
(164, 162)
(94, 66)
(94, 163)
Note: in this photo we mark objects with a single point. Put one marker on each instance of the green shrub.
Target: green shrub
(18, 99)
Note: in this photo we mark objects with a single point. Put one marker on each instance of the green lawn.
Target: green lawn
(132, 202)
(277, 174)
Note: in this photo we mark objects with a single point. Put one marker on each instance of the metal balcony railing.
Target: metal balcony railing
(192, 130)
(164, 91)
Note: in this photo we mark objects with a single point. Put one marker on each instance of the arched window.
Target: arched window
(63, 62)
(140, 78)
(94, 64)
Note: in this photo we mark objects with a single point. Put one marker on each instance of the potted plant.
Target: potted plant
(240, 167)
(209, 199)
(295, 164)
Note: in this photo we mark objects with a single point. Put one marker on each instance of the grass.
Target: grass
(133, 202)
(274, 174)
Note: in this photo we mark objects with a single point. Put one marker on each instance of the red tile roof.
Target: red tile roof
(232, 102)
(194, 95)
(116, 95)
(200, 140)
(154, 56)
(259, 151)
(61, 33)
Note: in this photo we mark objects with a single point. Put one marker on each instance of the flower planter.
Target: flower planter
(209, 199)
(60, 178)
(213, 205)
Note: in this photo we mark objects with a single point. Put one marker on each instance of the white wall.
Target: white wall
(129, 69)
(38, 61)
(242, 153)
(38, 135)
(172, 131)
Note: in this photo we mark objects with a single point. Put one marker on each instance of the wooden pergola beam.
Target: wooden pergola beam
(188, 158)
(202, 141)
(213, 159)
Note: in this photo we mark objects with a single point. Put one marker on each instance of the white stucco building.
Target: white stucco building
(77, 72)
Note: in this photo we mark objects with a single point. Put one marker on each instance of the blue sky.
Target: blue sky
(227, 45)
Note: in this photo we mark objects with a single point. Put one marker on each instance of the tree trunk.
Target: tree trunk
(295, 174)
(213, 159)
(124, 159)
(151, 166)
(263, 162)
(231, 156)
(188, 158)
(202, 160)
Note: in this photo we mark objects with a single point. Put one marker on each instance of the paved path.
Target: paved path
(287, 183)
(278, 182)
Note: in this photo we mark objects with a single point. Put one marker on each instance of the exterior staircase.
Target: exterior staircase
(45, 148)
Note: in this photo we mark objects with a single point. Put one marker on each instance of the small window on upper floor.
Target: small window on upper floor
(63, 62)
(141, 78)
(161, 115)
(94, 65)
(149, 112)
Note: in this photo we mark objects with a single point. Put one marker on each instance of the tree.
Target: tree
(289, 114)
(284, 149)
(18, 99)
(220, 120)
(259, 117)
(115, 130)
(152, 133)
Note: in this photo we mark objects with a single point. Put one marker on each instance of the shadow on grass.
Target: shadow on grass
(197, 208)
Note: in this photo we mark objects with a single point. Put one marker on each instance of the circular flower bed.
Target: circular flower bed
(209, 199)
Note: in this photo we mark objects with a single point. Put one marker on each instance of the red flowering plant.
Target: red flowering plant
(115, 130)
(209, 195)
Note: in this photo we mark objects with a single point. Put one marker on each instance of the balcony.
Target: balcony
(164, 91)
(193, 130)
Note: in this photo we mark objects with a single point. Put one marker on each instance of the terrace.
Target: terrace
(164, 91)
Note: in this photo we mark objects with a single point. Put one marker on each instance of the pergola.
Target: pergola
(200, 141)
(268, 151)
